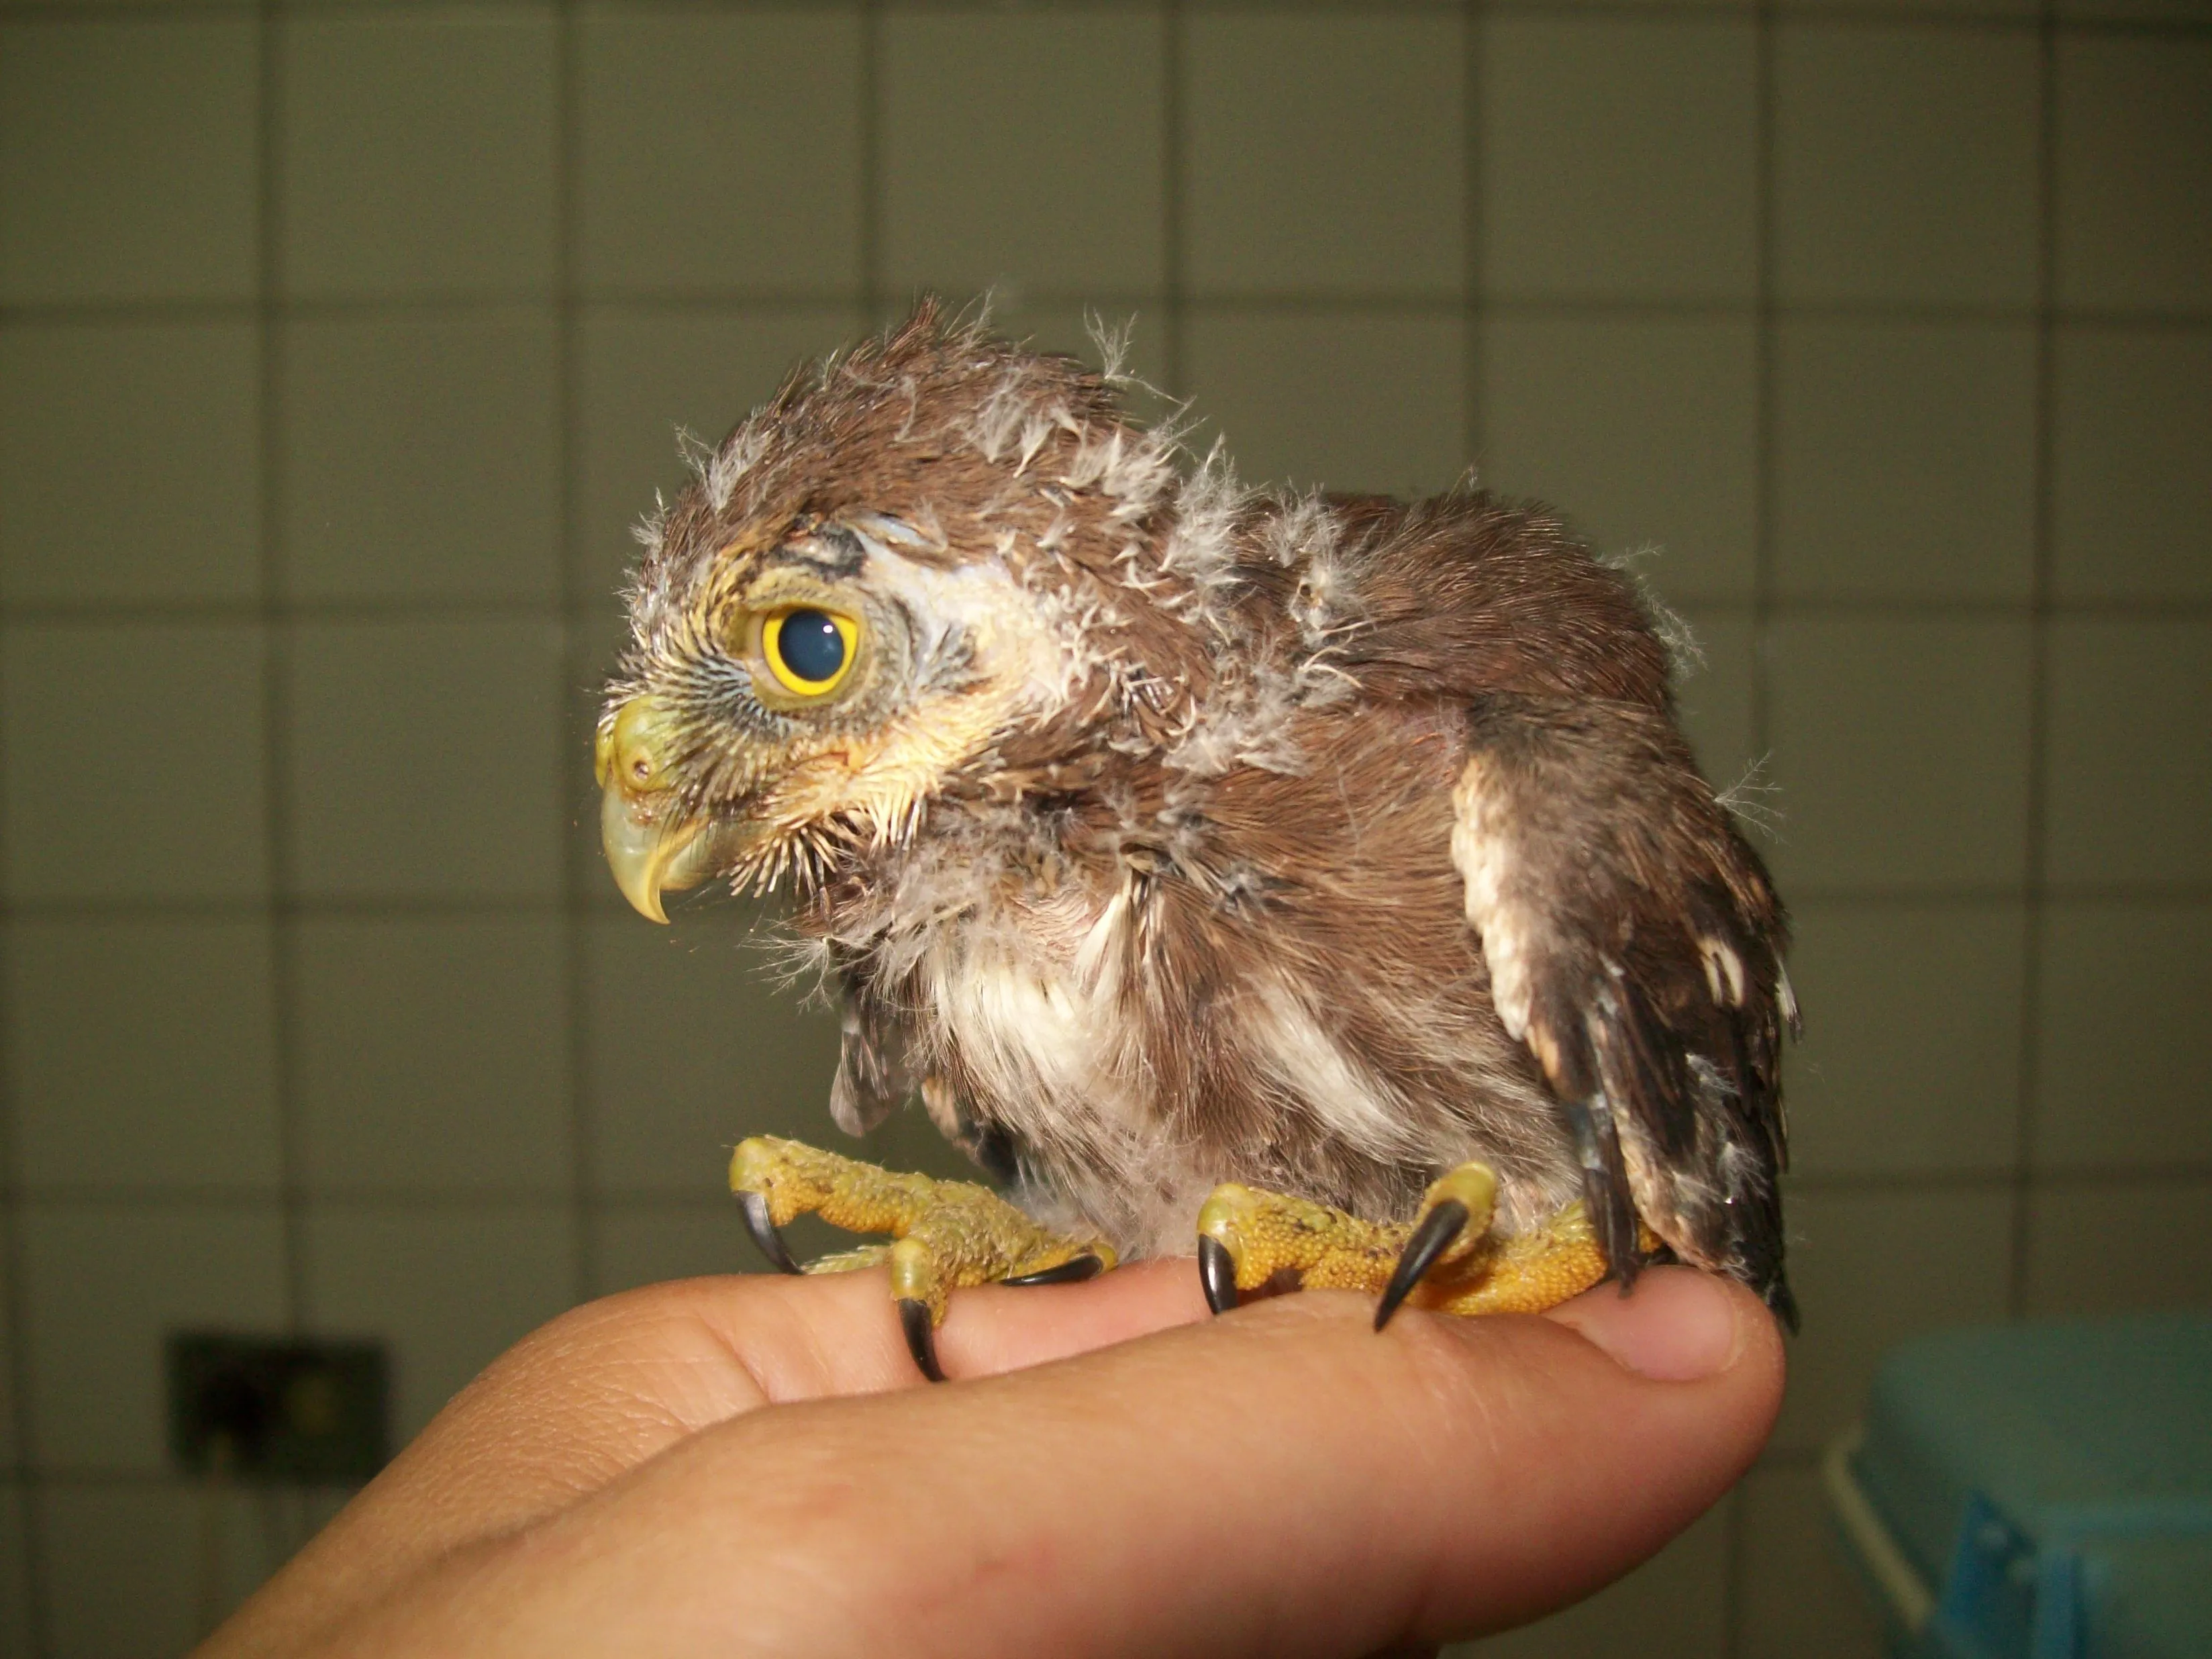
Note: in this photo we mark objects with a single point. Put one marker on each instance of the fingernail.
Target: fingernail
(1677, 1326)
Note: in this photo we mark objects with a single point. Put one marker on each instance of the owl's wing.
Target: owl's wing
(1634, 944)
(872, 1069)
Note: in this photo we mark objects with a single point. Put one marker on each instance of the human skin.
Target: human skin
(744, 1466)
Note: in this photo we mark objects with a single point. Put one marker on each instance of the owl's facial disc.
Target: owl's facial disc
(829, 687)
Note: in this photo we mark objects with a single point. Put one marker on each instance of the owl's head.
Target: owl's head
(919, 557)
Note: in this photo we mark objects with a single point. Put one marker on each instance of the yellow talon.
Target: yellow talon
(1250, 1240)
(945, 1235)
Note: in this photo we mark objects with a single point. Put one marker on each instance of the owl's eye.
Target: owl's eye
(808, 650)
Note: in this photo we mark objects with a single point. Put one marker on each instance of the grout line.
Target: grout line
(2166, 1176)
(868, 122)
(1829, 14)
(1734, 1598)
(2003, 1178)
(284, 920)
(1762, 605)
(374, 906)
(576, 913)
(1473, 300)
(2029, 1080)
(185, 612)
(13, 1282)
(1824, 12)
(2165, 895)
(236, 1200)
(666, 302)
(1175, 92)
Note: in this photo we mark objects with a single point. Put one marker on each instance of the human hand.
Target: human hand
(750, 1465)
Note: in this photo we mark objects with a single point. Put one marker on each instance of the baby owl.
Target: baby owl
(1323, 880)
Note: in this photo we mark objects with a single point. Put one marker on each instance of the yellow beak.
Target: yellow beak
(650, 850)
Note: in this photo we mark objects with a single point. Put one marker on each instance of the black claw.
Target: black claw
(1073, 1271)
(921, 1340)
(1430, 1241)
(1217, 1273)
(754, 1208)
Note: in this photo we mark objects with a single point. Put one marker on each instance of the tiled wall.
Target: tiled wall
(340, 343)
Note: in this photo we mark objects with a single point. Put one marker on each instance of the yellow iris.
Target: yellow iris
(808, 649)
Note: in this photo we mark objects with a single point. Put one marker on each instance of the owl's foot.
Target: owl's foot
(945, 1235)
(1252, 1239)
(1447, 1260)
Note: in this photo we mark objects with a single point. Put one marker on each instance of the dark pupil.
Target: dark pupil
(812, 647)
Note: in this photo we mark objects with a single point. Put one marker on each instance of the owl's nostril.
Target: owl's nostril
(631, 746)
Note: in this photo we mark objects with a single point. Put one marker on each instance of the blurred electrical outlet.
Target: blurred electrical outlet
(273, 1408)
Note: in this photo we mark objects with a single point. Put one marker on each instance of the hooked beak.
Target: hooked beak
(650, 848)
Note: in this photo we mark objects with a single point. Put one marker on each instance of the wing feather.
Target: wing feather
(1634, 944)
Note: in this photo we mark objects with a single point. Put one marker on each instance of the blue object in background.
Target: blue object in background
(2038, 1492)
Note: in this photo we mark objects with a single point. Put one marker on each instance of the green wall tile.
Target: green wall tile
(1642, 431)
(1798, 1597)
(1906, 165)
(421, 457)
(647, 1243)
(1901, 746)
(1323, 155)
(2130, 752)
(1873, 1268)
(2135, 170)
(423, 759)
(1965, 11)
(11, 1609)
(1713, 695)
(130, 462)
(143, 1053)
(1673, 1606)
(753, 1060)
(416, 154)
(2108, 1248)
(134, 763)
(1024, 151)
(1352, 400)
(153, 1536)
(1905, 461)
(127, 160)
(432, 1054)
(1618, 159)
(2132, 464)
(2122, 1000)
(719, 152)
(14, 1570)
(1911, 1060)
(2129, 11)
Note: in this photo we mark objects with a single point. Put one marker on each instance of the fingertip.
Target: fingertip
(1675, 1324)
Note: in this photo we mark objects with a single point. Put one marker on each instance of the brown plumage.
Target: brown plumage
(1161, 833)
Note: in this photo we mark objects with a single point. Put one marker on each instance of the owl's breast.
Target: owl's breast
(1019, 1005)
